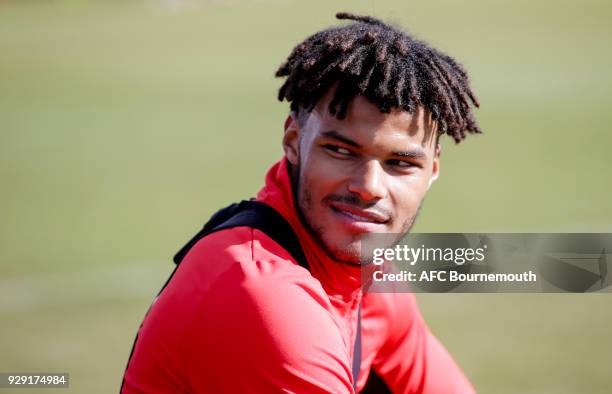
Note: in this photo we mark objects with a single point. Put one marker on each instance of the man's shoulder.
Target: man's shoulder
(243, 245)
(244, 257)
(243, 275)
(241, 270)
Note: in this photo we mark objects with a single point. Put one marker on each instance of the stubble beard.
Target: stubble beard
(303, 202)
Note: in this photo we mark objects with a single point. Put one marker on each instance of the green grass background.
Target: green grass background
(123, 125)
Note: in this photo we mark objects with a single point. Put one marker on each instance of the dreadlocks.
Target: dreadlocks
(387, 66)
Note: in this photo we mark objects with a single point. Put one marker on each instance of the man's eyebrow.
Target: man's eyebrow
(411, 154)
(416, 154)
(335, 135)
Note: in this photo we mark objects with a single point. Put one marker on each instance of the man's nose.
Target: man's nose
(368, 181)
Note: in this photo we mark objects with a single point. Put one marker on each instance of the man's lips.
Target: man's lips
(358, 214)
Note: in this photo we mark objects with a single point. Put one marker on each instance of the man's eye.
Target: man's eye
(338, 149)
(401, 163)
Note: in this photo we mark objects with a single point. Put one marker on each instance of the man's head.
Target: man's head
(368, 105)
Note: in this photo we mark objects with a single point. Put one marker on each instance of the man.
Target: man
(240, 315)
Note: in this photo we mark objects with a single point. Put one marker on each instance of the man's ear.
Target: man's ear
(291, 139)
(435, 171)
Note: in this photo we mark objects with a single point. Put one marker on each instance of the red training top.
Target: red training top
(241, 316)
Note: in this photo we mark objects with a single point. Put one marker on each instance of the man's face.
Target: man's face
(367, 173)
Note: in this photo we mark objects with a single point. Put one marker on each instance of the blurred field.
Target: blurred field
(124, 125)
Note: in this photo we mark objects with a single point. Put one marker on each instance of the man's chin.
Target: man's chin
(348, 254)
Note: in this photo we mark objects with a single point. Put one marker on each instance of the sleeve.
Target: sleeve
(411, 359)
(266, 332)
